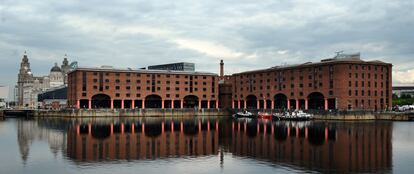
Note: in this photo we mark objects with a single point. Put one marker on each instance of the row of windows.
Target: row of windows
(149, 75)
(291, 86)
(331, 93)
(362, 92)
(363, 84)
(363, 67)
(148, 88)
(148, 82)
(369, 76)
(139, 95)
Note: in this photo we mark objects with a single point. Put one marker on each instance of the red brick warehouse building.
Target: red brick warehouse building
(126, 88)
(343, 82)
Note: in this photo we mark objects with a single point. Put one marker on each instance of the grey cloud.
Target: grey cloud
(247, 34)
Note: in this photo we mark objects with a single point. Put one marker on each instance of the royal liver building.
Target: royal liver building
(29, 86)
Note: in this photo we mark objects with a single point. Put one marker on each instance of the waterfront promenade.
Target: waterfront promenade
(319, 115)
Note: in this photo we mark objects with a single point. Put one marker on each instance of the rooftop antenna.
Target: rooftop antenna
(339, 53)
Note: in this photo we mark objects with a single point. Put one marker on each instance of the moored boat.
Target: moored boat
(294, 116)
(243, 114)
(264, 115)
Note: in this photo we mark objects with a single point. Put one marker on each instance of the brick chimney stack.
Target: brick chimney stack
(221, 69)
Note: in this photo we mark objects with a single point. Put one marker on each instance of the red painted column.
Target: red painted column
(143, 127)
(172, 126)
(245, 104)
(264, 104)
(143, 104)
(326, 103)
(77, 104)
(273, 104)
(162, 128)
(133, 104)
(232, 104)
(181, 127)
(162, 104)
(217, 104)
(122, 128)
(112, 104)
(122, 104)
(306, 104)
(90, 104)
(199, 104)
(172, 104)
(306, 133)
(89, 129)
(77, 129)
(288, 132)
(288, 104)
(297, 132)
(112, 128)
(297, 104)
(182, 103)
(258, 104)
(208, 104)
(133, 128)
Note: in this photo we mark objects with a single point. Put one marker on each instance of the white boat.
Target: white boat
(243, 114)
(297, 115)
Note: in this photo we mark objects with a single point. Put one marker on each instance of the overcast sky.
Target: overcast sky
(246, 34)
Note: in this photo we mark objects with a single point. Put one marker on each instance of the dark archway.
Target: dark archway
(153, 129)
(190, 101)
(153, 101)
(101, 131)
(280, 101)
(84, 103)
(251, 102)
(101, 101)
(316, 134)
(316, 101)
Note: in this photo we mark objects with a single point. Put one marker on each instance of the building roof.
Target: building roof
(56, 68)
(54, 93)
(143, 71)
(348, 59)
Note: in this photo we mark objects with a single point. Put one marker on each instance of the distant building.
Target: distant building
(343, 82)
(29, 86)
(54, 98)
(4, 93)
(403, 90)
(182, 66)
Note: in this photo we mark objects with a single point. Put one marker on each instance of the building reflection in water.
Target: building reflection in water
(340, 147)
(50, 130)
(142, 140)
(334, 147)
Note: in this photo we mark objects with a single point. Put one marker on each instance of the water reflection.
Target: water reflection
(334, 146)
(311, 146)
(142, 139)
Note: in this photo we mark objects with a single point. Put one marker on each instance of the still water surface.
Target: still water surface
(204, 145)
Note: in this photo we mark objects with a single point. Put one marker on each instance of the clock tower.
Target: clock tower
(25, 76)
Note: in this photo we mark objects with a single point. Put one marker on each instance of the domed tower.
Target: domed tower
(25, 76)
(56, 76)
